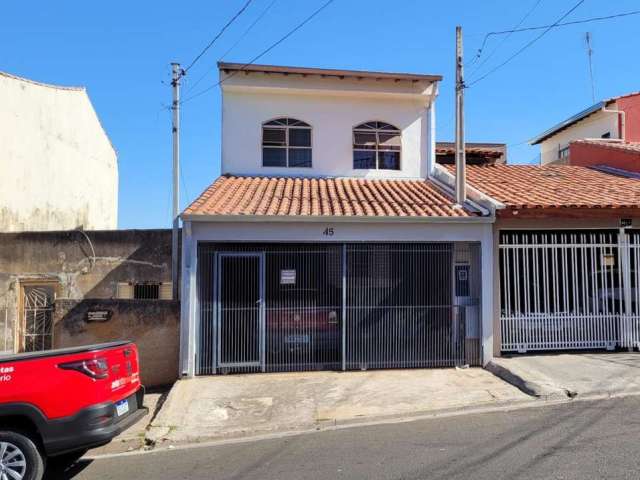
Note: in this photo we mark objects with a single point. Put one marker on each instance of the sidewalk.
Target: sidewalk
(223, 407)
(556, 376)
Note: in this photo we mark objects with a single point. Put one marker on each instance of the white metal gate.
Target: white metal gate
(569, 290)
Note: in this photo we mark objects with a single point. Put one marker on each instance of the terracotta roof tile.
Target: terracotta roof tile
(557, 186)
(264, 196)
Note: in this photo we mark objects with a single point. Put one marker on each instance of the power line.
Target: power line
(564, 24)
(264, 52)
(527, 45)
(504, 39)
(244, 34)
(204, 50)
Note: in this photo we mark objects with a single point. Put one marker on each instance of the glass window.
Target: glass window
(376, 145)
(286, 142)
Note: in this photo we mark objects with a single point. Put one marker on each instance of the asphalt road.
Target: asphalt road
(580, 440)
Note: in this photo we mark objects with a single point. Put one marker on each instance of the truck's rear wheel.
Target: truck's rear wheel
(20, 458)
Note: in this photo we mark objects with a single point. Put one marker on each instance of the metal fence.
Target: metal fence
(288, 307)
(6, 332)
(569, 290)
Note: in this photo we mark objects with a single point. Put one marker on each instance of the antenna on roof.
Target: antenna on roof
(587, 38)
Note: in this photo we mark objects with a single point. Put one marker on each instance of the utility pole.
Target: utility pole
(461, 187)
(177, 73)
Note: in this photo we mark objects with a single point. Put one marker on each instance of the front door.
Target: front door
(241, 310)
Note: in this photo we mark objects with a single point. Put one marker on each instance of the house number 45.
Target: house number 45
(328, 232)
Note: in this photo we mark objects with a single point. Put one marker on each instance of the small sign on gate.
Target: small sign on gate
(287, 277)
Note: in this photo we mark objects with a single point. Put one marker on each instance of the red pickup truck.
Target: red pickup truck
(65, 401)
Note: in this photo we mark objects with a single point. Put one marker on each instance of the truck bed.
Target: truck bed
(60, 351)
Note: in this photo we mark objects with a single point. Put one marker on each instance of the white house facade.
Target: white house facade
(59, 170)
(332, 240)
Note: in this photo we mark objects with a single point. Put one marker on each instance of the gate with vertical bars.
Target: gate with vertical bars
(293, 307)
(568, 290)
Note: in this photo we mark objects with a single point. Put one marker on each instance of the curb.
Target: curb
(535, 389)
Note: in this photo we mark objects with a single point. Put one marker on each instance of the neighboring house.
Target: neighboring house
(475, 153)
(583, 139)
(58, 168)
(69, 288)
(327, 243)
(567, 257)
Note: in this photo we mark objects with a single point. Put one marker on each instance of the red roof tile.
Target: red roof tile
(345, 197)
(557, 186)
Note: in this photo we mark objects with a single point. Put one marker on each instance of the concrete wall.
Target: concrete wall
(631, 106)
(57, 165)
(332, 107)
(67, 259)
(152, 325)
(594, 126)
(587, 155)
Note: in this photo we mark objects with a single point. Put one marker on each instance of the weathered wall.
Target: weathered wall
(152, 324)
(58, 167)
(68, 258)
(587, 155)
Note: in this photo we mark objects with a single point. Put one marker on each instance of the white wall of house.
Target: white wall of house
(343, 231)
(58, 168)
(332, 107)
(594, 126)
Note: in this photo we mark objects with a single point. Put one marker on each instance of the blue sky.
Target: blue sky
(121, 52)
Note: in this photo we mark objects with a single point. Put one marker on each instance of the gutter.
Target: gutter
(475, 198)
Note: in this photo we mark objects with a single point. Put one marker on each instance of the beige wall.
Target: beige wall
(332, 107)
(594, 126)
(57, 165)
(152, 324)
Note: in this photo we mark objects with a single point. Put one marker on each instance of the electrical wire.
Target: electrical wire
(219, 34)
(527, 45)
(504, 39)
(564, 24)
(244, 34)
(263, 53)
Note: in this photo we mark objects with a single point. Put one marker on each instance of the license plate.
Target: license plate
(122, 407)
(296, 339)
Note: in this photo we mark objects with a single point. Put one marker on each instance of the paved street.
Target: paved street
(578, 440)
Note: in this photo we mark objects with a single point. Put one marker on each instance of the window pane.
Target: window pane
(278, 121)
(274, 157)
(297, 123)
(364, 140)
(273, 136)
(389, 140)
(389, 160)
(364, 159)
(300, 157)
(299, 137)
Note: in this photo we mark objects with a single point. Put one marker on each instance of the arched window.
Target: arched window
(376, 145)
(286, 142)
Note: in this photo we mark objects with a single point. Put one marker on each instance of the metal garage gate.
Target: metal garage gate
(569, 290)
(292, 307)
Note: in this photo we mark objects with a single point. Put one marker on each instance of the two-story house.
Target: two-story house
(605, 134)
(329, 241)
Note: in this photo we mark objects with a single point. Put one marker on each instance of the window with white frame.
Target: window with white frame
(376, 145)
(286, 142)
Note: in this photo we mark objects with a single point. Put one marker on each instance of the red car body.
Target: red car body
(71, 399)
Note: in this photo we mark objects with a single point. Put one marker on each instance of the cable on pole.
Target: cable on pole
(527, 45)
(264, 52)
(218, 35)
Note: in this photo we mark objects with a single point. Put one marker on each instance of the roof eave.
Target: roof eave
(338, 219)
(567, 123)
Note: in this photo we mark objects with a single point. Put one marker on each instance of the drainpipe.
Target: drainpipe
(623, 121)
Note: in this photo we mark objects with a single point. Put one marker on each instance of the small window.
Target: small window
(563, 153)
(144, 290)
(376, 145)
(286, 142)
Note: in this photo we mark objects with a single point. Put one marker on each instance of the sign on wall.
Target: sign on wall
(287, 277)
(98, 315)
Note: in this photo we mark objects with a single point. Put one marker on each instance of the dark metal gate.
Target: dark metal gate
(292, 307)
